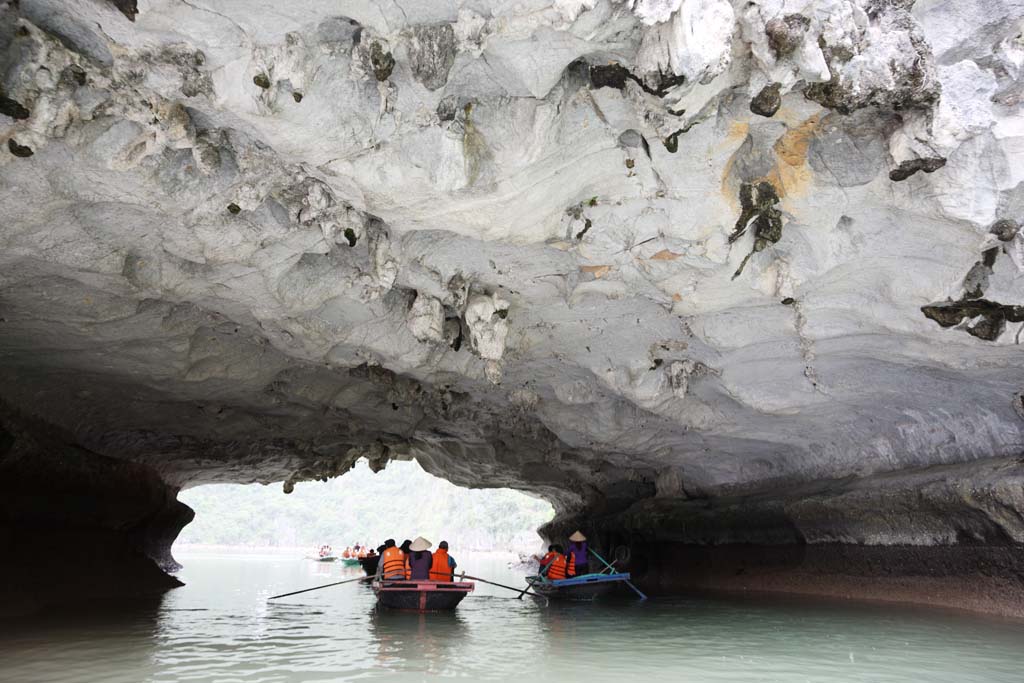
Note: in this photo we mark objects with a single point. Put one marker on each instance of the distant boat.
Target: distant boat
(585, 587)
(350, 561)
(369, 564)
(325, 558)
(421, 596)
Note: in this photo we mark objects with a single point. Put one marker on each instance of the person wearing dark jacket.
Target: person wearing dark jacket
(420, 560)
(578, 551)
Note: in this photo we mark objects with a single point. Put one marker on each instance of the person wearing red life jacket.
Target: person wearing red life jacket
(561, 567)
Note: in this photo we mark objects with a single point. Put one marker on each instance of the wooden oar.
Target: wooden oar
(464, 575)
(628, 583)
(316, 588)
(529, 585)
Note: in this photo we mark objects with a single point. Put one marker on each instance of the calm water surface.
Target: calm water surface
(221, 628)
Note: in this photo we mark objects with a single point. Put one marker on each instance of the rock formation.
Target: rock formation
(732, 281)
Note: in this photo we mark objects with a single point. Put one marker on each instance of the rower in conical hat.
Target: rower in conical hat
(420, 559)
(578, 551)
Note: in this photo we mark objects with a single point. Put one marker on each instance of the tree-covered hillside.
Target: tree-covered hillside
(401, 502)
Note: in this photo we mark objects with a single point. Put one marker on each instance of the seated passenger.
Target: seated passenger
(560, 567)
(443, 567)
(578, 550)
(545, 561)
(420, 560)
(392, 561)
(405, 550)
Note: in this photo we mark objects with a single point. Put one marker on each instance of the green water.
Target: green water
(221, 628)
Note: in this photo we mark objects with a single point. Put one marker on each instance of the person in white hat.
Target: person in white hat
(420, 559)
(578, 551)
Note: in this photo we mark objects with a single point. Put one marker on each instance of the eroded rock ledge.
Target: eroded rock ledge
(743, 277)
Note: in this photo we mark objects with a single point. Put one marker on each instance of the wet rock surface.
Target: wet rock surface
(243, 247)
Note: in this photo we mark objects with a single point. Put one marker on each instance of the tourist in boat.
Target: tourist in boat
(443, 567)
(561, 567)
(405, 550)
(420, 560)
(545, 561)
(392, 561)
(578, 551)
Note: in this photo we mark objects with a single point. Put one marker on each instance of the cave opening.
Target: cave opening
(361, 507)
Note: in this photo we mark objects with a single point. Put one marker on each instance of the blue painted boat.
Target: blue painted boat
(585, 587)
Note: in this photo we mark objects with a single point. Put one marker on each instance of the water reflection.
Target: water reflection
(221, 628)
(424, 643)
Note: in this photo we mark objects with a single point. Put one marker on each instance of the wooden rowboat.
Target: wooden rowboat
(421, 596)
(369, 564)
(325, 558)
(586, 587)
(350, 561)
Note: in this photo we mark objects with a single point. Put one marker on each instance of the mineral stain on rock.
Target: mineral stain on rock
(261, 80)
(615, 76)
(768, 101)
(129, 8)
(1005, 229)
(987, 319)
(13, 108)
(431, 54)
(17, 150)
(991, 316)
(382, 62)
(757, 203)
(912, 166)
(785, 35)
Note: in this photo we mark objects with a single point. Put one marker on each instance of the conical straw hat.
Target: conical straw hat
(420, 544)
(578, 537)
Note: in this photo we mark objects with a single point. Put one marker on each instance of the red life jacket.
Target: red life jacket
(559, 567)
(393, 563)
(439, 570)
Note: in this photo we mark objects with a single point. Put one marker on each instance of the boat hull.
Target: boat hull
(350, 561)
(369, 564)
(582, 588)
(421, 596)
(326, 559)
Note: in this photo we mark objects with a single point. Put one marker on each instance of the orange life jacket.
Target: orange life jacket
(546, 560)
(439, 570)
(393, 563)
(558, 567)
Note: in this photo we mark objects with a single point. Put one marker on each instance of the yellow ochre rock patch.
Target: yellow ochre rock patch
(791, 175)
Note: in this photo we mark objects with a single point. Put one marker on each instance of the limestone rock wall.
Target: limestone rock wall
(658, 261)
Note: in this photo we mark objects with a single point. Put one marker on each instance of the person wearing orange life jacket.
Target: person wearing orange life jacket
(443, 567)
(392, 561)
(560, 567)
(545, 561)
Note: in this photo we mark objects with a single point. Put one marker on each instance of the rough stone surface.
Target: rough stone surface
(539, 245)
(766, 102)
